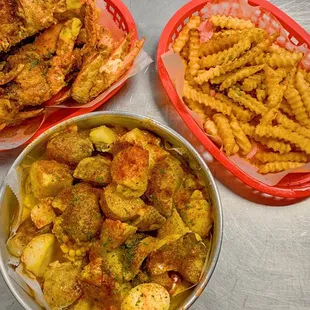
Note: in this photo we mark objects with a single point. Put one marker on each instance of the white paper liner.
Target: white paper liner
(262, 19)
(18, 135)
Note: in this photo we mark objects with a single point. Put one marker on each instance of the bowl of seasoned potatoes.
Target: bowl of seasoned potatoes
(109, 211)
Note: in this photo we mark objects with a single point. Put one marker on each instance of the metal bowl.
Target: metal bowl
(8, 202)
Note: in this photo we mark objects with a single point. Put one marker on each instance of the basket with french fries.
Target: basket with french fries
(238, 74)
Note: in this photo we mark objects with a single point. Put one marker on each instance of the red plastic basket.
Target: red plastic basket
(123, 18)
(293, 185)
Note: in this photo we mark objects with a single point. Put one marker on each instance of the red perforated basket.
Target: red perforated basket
(123, 18)
(293, 185)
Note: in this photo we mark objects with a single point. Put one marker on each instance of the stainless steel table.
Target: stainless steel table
(265, 258)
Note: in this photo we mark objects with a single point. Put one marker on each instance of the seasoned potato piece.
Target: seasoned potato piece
(38, 254)
(148, 219)
(100, 286)
(156, 154)
(25, 233)
(117, 207)
(185, 255)
(81, 304)
(43, 214)
(197, 214)
(63, 199)
(138, 247)
(147, 296)
(115, 233)
(173, 225)
(129, 170)
(48, 178)
(82, 218)
(136, 137)
(102, 137)
(94, 169)
(166, 177)
(69, 148)
(61, 287)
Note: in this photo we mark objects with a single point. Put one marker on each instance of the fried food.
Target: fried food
(88, 246)
(249, 91)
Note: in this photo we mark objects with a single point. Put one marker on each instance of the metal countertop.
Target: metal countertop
(265, 258)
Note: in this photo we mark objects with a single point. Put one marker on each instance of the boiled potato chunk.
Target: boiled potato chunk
(129, 170)
(115, 233)
(173, 225)
(43, 214)
(166, 177)
(147, 296)
(25, 233)
(102, 137)
(38, 254)
(63, 199)
(197, 214)
(48, 178)
(148, 219)
(61, 287)
(69, 148)
(156, 154)
(186, 255)
(95, 170)
(117, 207)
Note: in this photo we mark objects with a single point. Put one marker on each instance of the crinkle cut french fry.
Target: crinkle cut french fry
(243, 115)
(198, 108)
(205, 88)
(277, 146)
(278, 60)
(230, 22)
(277, 132)
(261, 94)
(240, 75)
(252, 82)
(183, 36)
(211, 130)
(225, 132)
(294, 100)
(194, 43)
(275, 98)
(246, 100)
(269, 157)
(285, 107)
(240, 137)
(304, 90)
(291, 125)
(207, 100)
(204, 76)
(273, 78)
(278, 167)
(185, 52)
(227, 55)
(220, 79)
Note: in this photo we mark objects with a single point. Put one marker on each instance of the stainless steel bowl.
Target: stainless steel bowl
(8, 201)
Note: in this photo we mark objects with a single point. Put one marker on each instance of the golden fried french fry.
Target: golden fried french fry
(230, 22)
(246, 100)
(240, 75)
(278, 60)
(276, 49)
(183, 36)
(278, 167)
(220, 79)
(225, 132)
(277, 132)
(226, 55)
(205, 88)
(261, 94)
(285, 107)
(269, 157)
(194, 61)
(219, 106)
(204, 76)
(291, 125)
(243, 115)
(185, 52)
(277, 146)
(303, 89)
(211, 130)
(240, 137)
(252, 82)
(198, 108)
(273, 78)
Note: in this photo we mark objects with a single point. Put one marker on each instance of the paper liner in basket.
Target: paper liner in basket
(13, 137)
(262, 19)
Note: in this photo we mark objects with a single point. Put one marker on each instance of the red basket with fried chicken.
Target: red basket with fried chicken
(72, 60)
(288, 126)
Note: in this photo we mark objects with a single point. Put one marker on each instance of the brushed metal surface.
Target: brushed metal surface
(264, 262)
